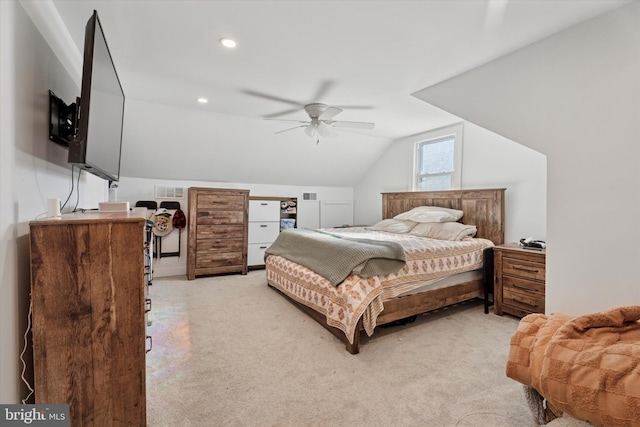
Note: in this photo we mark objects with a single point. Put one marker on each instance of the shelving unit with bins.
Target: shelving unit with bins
(289, 212)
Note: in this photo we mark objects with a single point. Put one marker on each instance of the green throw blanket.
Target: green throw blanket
(334, 257)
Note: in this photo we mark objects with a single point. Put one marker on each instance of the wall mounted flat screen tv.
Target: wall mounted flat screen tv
(97, 145)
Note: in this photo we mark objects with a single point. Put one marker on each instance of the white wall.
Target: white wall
(575, 97)
(135, 189)
(32, 169)
(488, 161)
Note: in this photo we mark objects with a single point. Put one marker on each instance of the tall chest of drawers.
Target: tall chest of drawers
(519, 280)
(218, 231)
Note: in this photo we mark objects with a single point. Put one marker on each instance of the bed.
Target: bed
(362, 303)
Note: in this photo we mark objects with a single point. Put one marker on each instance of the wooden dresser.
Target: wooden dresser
(218, 231)
(519, 280)
(88, 305)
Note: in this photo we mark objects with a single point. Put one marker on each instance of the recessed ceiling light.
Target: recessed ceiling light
(202, 100)
(226, 42)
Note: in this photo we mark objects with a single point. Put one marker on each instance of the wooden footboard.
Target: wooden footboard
(401, 307)
(423, 302)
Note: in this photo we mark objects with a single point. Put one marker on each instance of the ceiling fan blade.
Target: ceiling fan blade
(352, 125)
(282, 113)
(306, 122)
(287, 130)
(272, 97)
(323, 89)
(329, 113)
(355, 107)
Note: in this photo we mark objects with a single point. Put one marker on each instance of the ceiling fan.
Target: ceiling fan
(321, 92)
(321, 123)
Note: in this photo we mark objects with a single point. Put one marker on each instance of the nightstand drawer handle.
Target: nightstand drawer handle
(525, 268)
(526, 303)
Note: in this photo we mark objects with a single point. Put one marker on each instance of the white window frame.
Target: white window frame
(455, 131)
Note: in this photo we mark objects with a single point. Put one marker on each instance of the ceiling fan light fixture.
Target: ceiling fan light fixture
(321, 122)
(325, 131)
(311, 130)
(202, 100)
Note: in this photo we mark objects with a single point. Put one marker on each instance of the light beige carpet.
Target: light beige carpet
(230, 351)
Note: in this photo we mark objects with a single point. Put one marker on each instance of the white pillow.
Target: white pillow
(430, 214)
(444, 231)
(393, 226)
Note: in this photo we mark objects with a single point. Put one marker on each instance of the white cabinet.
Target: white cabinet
(265, 214)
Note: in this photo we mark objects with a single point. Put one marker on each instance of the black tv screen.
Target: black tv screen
(97, 146)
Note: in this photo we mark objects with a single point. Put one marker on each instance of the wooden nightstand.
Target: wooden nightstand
(519, 280)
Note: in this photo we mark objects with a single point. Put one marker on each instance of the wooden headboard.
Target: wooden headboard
(482, 208)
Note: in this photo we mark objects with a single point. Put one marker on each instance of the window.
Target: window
(439, 160)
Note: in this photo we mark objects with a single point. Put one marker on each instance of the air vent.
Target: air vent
(309, 196)
(169, 192)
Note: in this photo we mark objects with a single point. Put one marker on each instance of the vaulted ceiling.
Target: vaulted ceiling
(366, 57)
